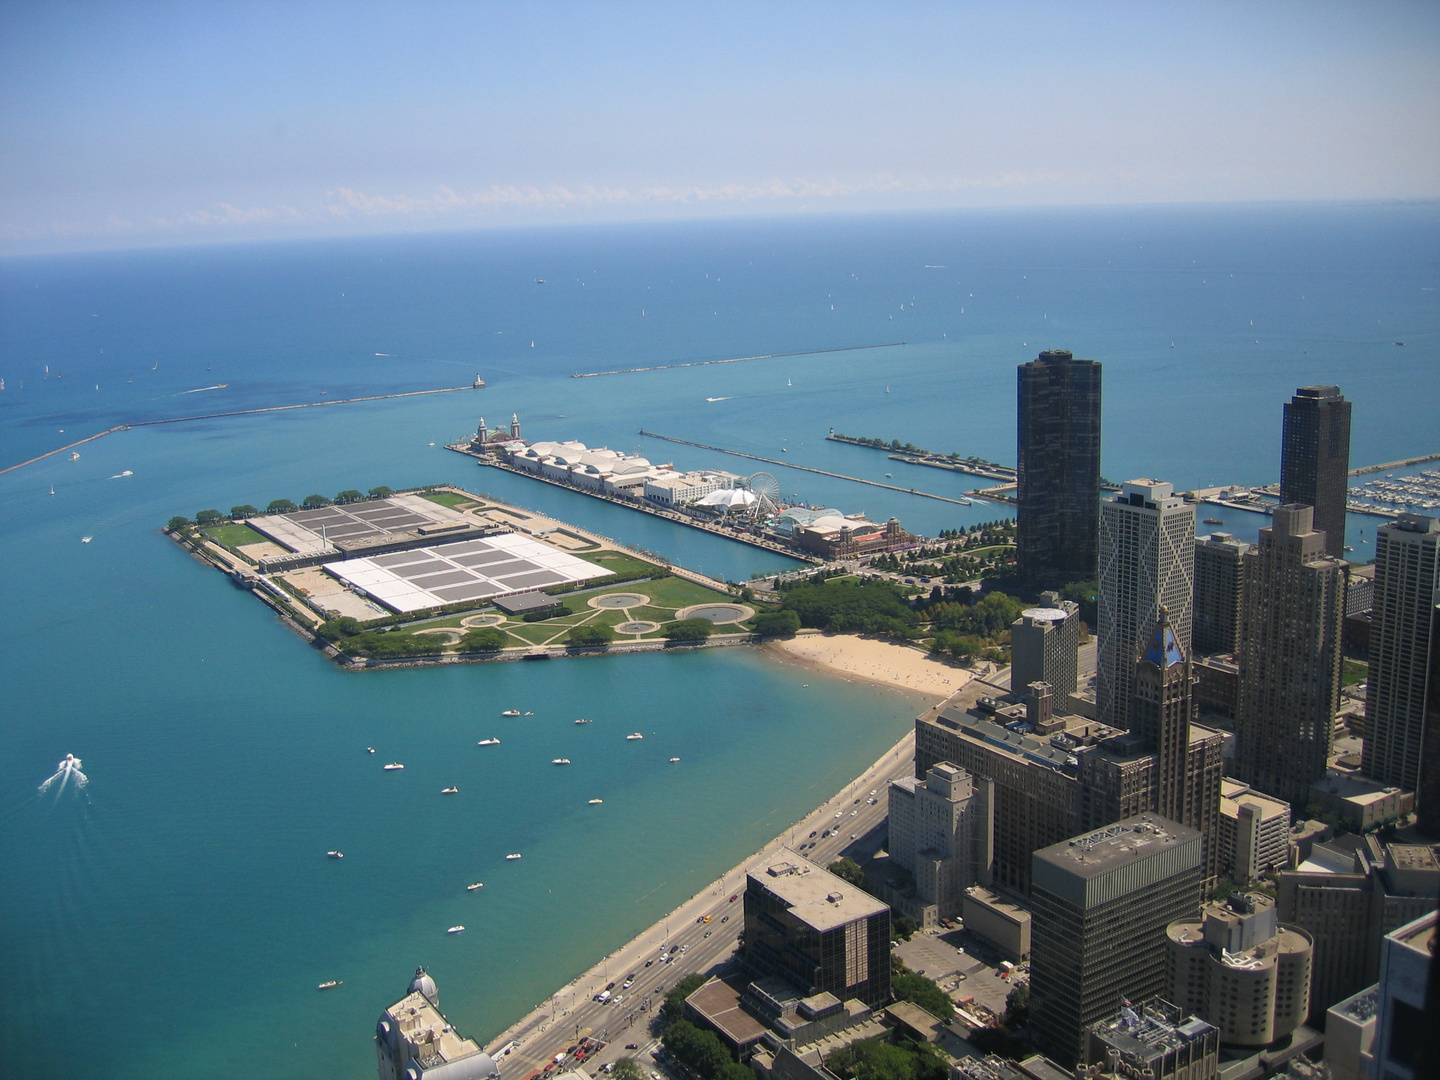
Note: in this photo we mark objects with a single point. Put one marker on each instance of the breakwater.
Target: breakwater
(732, 360)
(912, 455)
(219, 415)
(809, 469)
(1395, 464)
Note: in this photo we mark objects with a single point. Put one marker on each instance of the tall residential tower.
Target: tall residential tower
(1058, 475)
(1315, 459)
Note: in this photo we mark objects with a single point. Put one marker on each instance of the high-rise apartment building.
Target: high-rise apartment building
(1058, 474)
(1402, 651)
(1405, 1039)
(942, 834)
(413, 1040)
(1147, 561)
(1219, 588)
(1289, 656)
(1241, 969)
(1100, 904)
(1043, 647)
(1315, 459)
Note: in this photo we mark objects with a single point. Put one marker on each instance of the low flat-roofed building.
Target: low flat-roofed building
(717, 1006)
(681, 489)
(914, 1022)
(816, 930)
(1254, 832)
(1349, 1033)
(414, 1040)
(1155, 1040)
(1360, 802)
(997, 921)
(528, 603)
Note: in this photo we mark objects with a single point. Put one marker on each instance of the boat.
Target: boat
(335, 854)
(86, 539)
(529, 714)
(393, 766)
(560, 761)
(673, 760)
(1399, 343)
(887, 389)
(512, 858)
(74, 455)
(456, 930)
(1349, 548)
(52, 489)
(474, 885)
(889, 476)
(488, 742)
(539, 281)
(369, 749)
(787, 381)
(1214, 521)
(633, 736)
(331, 984)
(449, 791)
(511, 712)
(582, 720)
(596, 802)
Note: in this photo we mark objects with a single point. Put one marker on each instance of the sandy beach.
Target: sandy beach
(881, 662)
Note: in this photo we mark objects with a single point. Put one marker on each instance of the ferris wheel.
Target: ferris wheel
(767, 492)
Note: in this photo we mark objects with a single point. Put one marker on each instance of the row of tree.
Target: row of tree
(278, 506)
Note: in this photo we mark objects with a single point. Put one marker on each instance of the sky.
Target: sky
(137, 123)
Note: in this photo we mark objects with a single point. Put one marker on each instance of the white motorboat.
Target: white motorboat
(596, 802)
(582, 720)
(513, 857)
(449, 791)
(331, 984)
(335, 854)
(393, 766)
(488, 742)
(511, 712)
(673, 760)
(634, 735)
(369, 749)
(560, 761)
(474, 885)
(456, 930)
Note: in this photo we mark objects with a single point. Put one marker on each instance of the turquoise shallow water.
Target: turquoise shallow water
(175, 916)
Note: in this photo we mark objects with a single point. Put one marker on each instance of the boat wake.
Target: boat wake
(68, 770)
(717, 399)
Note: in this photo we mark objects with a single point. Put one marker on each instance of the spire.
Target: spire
(482, 432)
(514, 425)
(1164, 649)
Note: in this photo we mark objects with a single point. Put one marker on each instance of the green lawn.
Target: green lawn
(1354, 672)
(449, 498)
(233, 536)
(619, 562)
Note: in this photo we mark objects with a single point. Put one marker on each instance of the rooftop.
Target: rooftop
(1115, 845)
(718, 1002)
(1234, 794)
(814, 895)
(1417, 936)
(1151, 1031)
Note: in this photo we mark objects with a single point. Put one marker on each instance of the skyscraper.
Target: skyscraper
(1147, 561)
(1402, 669)
(1219, 588)
(942, 831)
(1058, 474)
(1100, 904)
(1289, 657)
(1160, 711)
(1315, 459)
(1043, 644)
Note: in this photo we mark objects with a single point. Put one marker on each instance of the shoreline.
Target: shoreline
(871, 660)
(525, 1032)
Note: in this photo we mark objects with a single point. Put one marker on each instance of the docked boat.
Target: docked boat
(331, 984)
(560, 761)
(512, 858)
(511, 712)
(1214, 521)
(474, 885)
(488, 742)
(449, 791)
(456, 930)
(335, 854)
(596, 802)
(633, 736)
(393, 766)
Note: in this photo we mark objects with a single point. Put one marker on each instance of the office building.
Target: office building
(942, 834)
(1155, 1040)
(998, 921)
(1058, 474)
(413, 1040)
(1044, 642)
(1241, 969)
(1100, 904)
(1405, 1042)
(819, 932)
(1402, 651)
(1347, 900)
(1315, 459)
(1147, 561)
(1289, 657)
(1219, 589)
(1254, 833)
(1350, 1034)
(1360, 592)
(1160, 712)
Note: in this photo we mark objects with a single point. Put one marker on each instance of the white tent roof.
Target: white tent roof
(729, 498)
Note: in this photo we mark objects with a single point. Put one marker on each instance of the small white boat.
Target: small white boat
(511, 712)
(512, 858)
(633, 736)
(560, 761)
(86, 539)
(488, 742)
(582, 720)
(474, 885)
(331, 984)
(456, 930)
(673, 760)
(787, 381)
(52, 486)
(335, 854)
(529, 714)
(74, 455)
(596, 802)
(393, 766)
(449, 791)
(369, 749)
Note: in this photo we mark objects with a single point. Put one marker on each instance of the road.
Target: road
(571, 1013)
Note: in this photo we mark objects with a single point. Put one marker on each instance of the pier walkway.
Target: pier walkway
(732, 360)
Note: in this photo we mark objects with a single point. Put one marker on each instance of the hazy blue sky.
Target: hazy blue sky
(143, 123)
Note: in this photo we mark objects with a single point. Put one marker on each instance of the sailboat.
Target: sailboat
(52, 489)
(789, 383)
(887, 389)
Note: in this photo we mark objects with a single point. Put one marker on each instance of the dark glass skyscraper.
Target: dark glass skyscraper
(1058, 477)
(1315, 459)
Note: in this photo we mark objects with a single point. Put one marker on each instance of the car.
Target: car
(725, 919)
(812, 833)
(684, 948)
(649, 962)
(632, 1046)
(610, 986)
(617, 1001)
(854, 836)
(840, 813)
(627, 984)
(659, 989)
(608, 1067)
(707, 918)
(709, 932)
(737, 895)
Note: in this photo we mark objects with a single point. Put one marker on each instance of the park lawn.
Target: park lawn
(536, 632)
(451, 499)
(233, 536)
(1355, 671)
(619, 562)
(674, 592)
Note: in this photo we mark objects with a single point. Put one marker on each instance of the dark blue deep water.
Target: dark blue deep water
(174, 917)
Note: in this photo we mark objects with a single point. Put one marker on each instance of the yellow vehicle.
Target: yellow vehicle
(707, 918)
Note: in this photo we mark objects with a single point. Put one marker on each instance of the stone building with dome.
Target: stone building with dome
(414, 1041)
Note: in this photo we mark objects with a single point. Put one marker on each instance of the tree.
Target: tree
(279, 506)
(381, 491)
(484, 639)
(903, 927)
(876, 1059)
(689, 630)
(847, 869)
(777, 624)
(1017, 1006)
(590, 635)
(335, 629)
(674, 1007)
(244, 510)
(627, 1069)
(907, 986)
(848, 606)
(316, 500)
(349, 495)
(702, 1051)
(208, 517)
(177, 523)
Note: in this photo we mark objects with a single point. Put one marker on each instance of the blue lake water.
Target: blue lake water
(176, 914)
